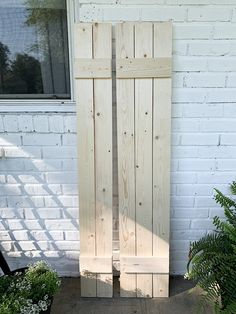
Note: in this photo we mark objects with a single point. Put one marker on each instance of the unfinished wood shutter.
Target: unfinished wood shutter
(143, 69)
(93, 83)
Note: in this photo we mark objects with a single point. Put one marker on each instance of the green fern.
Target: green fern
(212, 259)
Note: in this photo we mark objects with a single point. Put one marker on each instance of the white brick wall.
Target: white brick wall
(38, 191)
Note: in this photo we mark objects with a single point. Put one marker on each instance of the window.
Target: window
(34, 57)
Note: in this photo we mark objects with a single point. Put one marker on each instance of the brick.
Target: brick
(90, 13)
(70, 124)
(120, 14)
(69, 165)
(210, 14)
(42, 189)
(69, 139)
(230, 110)
(10, 139)
(211, 48)
(19, 224)
(11, 213)
(200, 139)
(180, 47)
(205, 80)
(56, 124)
(186, 31)
(183, 63)
(42, 165)
(25, 201)
(205, 110)
(226, 165)
(25, 123)
(19, 152)
(202, 224)
(42, 213)
(61, 177)
(191, 235)
(222, 64)
(11, 165)
(71, 213)
(59, 152)
(225, 31)
(70, 189)
(215, 177)
(182, 201)
(207, 201)
(185, 125)
(41, 139)
(184, 151)
(217, 152)
(1, 124)
(188, 95)
(180, 224)
(191, 213)
(10, 123)
(163, 13)
(10, 189)
(42, 235)
(228, 139)
(231, 80)
(62, 224)
(217, 125)
(40, 123)
(196, 165)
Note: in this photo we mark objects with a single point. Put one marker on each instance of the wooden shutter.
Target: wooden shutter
(93, 83)
(143, 70)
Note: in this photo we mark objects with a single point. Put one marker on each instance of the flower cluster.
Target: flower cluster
(30, 291)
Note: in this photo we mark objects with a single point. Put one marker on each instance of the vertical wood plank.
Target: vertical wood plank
(161, 157)
(85, 129)
(126, 167)
(143, 156)
(102, 40)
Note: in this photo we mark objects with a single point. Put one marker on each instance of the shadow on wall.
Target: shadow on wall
(38, 207)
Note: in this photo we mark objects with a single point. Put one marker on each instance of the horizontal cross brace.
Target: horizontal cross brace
(95, 264)
(143, 68)
(92, 68)
(144, 265)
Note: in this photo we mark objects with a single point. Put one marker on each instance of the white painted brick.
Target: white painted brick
(11, 165)
(225, 30)
(69, 139)
(56, 124)
(19, 152)
(62, 224)
(217, 125)
(55, 152)
(185, 152)
(202, 224)
(182, 201)
(10, 189)
(67, 245)
(210, 13)
(120, 14)
(25, 123)
(222, 64)
(180, 224)
(234, 15)
(201, 201)
(18, 224)
(69, 165)
(40, 123)
(180, 47)
(1, 124)
(188, 95)
(228, 139)
(10, 213)
(90, 13)
(164, 13)
(205, 80)
(43, 165)
(188, 234)
(230, 110)
(200, 139)
(10, 123)
(61, 177)
(226, 165)
(205, 110)
(45, 189)
(231, 80)
(72, 213)
(211, 48)
(10, 139)
(70, 124)
(21, 235)
(217, 152)
(196, 164)
(191, 213)
(41, 235)
(41, 139)
(42, 213)
(185, 125)
(70, 189)
(183, 63)
(215, 177)
(178, 80)
(216, 212)
(191, 31)
(18, 177)
(24, 201)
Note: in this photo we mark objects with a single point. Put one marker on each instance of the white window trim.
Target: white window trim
(48, 105)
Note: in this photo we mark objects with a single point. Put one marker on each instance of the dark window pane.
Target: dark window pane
(34, 58)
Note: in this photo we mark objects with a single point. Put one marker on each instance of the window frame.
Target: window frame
(48, 105)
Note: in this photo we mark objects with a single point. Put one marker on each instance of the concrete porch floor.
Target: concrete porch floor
(184, 299)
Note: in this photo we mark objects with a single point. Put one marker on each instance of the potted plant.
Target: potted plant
(29, 290)
(212, 259)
